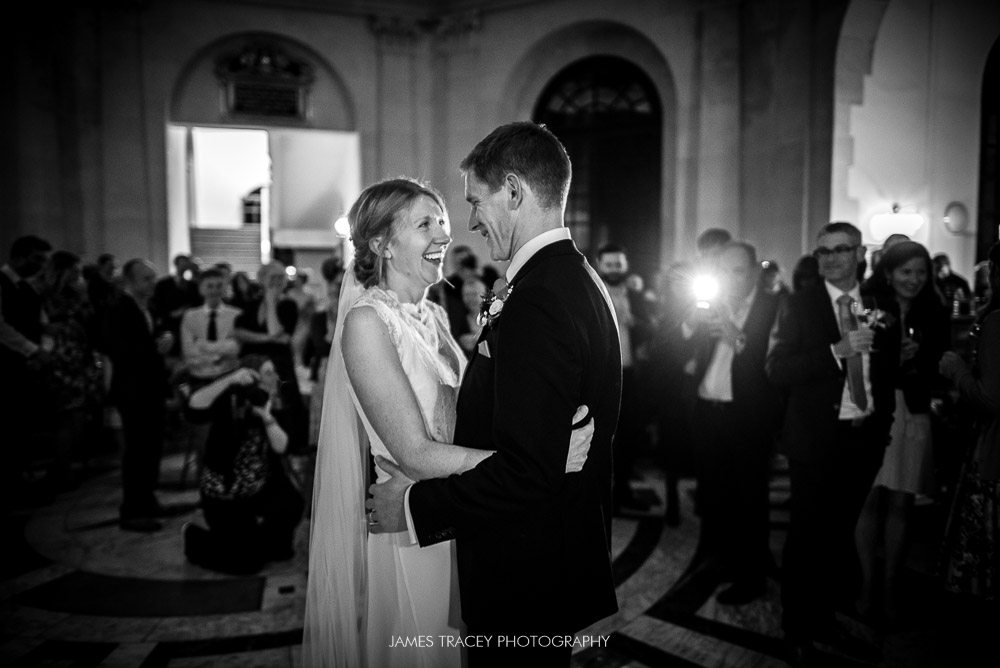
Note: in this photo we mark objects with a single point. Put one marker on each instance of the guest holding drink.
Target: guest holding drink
(903, 287)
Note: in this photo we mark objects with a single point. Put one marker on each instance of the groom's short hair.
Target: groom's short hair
(529, 150)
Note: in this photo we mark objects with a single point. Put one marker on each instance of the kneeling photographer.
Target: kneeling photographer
(250, 505)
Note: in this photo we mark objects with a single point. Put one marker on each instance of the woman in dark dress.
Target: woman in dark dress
(250, 505)
(972, 537)
(74, 375)
(903, 286)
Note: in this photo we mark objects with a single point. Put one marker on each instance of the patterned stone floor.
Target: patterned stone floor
(77, 591)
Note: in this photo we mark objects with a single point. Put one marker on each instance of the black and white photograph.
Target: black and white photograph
(493, 333)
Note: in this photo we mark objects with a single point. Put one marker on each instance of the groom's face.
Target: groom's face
(490, 216)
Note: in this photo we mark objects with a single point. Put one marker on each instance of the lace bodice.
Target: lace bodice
(431, 360)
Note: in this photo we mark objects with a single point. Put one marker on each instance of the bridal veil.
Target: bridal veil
(336, 595)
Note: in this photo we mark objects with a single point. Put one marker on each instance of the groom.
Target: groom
(533, 542)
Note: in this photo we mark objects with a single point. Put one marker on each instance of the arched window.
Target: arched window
(606, 112)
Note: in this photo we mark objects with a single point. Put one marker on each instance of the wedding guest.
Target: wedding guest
(107, 268)
(489, 275)
(671, 390)
(136, 350)
(102, 282)
(634, 328)
(877, 255)
(250, 505)
(806, 273)
(711, 240)
(173, 295)
(467, 333)
(466, 268)
(208, 341)
(244, 291)
(948, 282)
(317, 349)
(265, 327)
(296, 290)
(737, 410)
(972, 536)
(74, 377)
(981, 284)
(903, 286)
(226, 269)
(840, 378)
(20, 353)
(770, 278)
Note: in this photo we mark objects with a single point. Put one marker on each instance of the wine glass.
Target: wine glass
(872, 318)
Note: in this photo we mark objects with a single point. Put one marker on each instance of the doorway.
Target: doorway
(607, 114)
(245, 195)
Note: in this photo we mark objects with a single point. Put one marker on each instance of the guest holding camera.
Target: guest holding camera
(265, 328)
(249, 504)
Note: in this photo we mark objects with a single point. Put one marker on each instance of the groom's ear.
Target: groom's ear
(514, 190)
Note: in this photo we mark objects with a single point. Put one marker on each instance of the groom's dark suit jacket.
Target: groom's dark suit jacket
(533, 542)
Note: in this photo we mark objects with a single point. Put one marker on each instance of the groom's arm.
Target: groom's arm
(538, 366)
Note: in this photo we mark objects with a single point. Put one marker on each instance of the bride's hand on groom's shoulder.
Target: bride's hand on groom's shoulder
(579, 441)
(385, 507)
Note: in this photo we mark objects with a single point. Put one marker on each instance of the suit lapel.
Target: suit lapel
(827, 317)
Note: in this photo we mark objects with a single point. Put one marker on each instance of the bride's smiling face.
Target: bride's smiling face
(420, 236)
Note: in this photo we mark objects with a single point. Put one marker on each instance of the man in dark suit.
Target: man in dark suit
(138, 389)
(533, 542)
(737, 411)
(466, 268)
(634, 329)
(839, 374)
(174, 295)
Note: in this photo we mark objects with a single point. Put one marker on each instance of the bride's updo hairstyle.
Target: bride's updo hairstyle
(372, 216)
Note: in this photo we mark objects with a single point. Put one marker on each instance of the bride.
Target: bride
(378, 599)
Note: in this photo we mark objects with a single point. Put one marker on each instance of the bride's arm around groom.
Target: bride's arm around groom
(533, 541)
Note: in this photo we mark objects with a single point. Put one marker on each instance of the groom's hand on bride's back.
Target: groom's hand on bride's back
(579, 441)
(385, 507)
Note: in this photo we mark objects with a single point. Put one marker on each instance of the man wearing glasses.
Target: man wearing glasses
(839, 374)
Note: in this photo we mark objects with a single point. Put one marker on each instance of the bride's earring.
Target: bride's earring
(386, 254)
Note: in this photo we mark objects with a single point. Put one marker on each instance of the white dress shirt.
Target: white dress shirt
(717, 384)
(206, 357)
(532, 246)
(848, 409)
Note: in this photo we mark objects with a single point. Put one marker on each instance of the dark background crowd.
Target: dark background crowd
(728, 376)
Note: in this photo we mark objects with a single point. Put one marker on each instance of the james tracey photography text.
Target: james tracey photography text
(498, 641)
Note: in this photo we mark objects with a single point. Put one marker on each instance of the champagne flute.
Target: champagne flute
(868, 317)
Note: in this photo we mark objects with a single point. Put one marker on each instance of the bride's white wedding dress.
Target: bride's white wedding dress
(372, 596)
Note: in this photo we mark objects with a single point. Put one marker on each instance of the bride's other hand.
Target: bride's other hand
(579, 442)
(385, 507)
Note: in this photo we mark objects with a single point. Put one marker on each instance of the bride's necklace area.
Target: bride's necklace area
(417, 315)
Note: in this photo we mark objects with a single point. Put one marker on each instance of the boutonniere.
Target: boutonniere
(872, 318)
(492, 305)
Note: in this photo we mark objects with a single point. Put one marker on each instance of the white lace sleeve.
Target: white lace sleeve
(385, 314)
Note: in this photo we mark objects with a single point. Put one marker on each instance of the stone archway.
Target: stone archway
(198, 99)
(555, 51)
(606, 112)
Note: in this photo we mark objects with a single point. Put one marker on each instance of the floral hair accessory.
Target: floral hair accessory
(493, 301)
